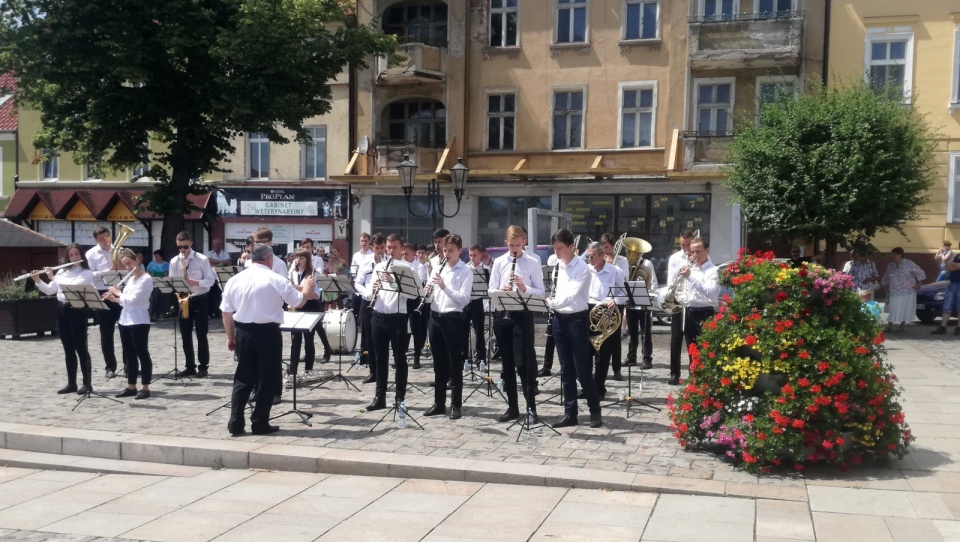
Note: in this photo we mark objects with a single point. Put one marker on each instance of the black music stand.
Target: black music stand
(637, 299)
(174, 285)
(86, 297)
(526, 302)
(481, 283)
(302, 322)
(400, 279)
(342, 286)
(113, 278)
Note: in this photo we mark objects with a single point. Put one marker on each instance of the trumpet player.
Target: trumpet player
(71, 322)
(451, 285)
(677, 260)
(606, 288)
(194, 311)
(135, 324)
(702, 281)
(100, 260)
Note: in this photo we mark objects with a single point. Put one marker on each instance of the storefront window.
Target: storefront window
(496, 214)
(390, 215)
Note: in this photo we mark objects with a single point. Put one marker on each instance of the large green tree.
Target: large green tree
(109, 75)
(838, 164)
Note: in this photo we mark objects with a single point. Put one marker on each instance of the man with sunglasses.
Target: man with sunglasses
(196, 271)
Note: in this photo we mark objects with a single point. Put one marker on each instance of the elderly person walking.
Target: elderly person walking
(862, 270)
(902, 279)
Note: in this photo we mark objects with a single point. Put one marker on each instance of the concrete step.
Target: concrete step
(77, 463)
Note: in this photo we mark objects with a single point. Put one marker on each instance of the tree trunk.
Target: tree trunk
(176, 207)
(830, 254)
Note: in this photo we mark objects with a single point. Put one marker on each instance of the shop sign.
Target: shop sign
(278, 208)
(41, 212)
(121, 213)
(317, 232)
(340, 229)
(80, 212)
(288, 202)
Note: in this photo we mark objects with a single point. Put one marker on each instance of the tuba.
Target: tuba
(125, 232)
(604, 321)
(636, 248)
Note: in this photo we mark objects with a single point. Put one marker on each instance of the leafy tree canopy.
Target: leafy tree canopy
(110, 75)
(839, 164)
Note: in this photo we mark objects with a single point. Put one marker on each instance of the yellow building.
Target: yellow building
(917, 45)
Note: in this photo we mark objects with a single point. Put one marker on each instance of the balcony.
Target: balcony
(422, 63)
(746, 41)
(389, 154)
(705, 151)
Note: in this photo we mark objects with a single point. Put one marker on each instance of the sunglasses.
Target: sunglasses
(183, 247)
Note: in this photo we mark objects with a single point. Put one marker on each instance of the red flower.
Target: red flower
(686, 407)
(803, 382)
(862, 350)
(750, 340)
(749, 458)
(748, 418)
(815, 388)
(827, 444)
(823, 366)
(798, 466)
(803, 272)
(781, 296)
(804, 354)
(797, 424)
(725, 381)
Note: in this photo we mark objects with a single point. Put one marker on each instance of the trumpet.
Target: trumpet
(428, 291)
(40, 271)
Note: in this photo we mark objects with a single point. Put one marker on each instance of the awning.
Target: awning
(131, 197)
(86, 204)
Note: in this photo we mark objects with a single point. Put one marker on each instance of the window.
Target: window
(714, 106)
(390, 214)
(638, 104)
(495, 214)
(640, 19)
(503, 23)
(417, 122)
(50, 166)
(568, 119)
(773, 88)
(889, 63)
(774, 8)
(718, 10)
(955, 95)
(259, 156)
(315, 154)
(144, 169)
(501, 115)
(417, 23)
(953, 199)
(93, 172)
(571, 21)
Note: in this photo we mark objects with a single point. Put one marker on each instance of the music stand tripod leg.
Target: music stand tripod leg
(304, 416)
(89, 395)
(394, 410)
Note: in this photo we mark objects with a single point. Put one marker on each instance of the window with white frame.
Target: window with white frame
(772, 88)
(638, 106)
(953, 198)
(640, 19)
(258, 156)
(718, 10)
(315, 154)
(714, 105)
(503, 23)
(774, 8)
(50, 167)
(889, 63)
(501, 116)
(568, 119)
(955, 95)
(571, 21)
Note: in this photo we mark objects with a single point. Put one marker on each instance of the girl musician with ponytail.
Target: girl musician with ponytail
(72, 323)
(302, 269)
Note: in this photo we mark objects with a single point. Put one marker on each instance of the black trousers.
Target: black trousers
(572, 332)
(108, 323)
(261, 348)
(72, 325)
(300, 339)
(447, 332)
(389, 331)
(199, 318)
(474, 315)
(366, 337)
(639, 321)
(514, 332)
(415, 323)
(676, 344)
(419, 330)
(136, 353)
(696, 316)
(610, 350)
(549, 348)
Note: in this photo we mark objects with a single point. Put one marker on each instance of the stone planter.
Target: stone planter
(28, 316)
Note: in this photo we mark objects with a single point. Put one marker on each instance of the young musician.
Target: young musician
(135, 324)
(451, 285)
(676, 261)
(475, 311)
(71, 322)
(389, 325)
(264, 236)
(703, 282)
(357, 264)
(409, 254)
(606, 288)
(571, 330)
(99, 259)
(318, 268)
(195, 269)
(363, 284)
(551, 346)
(420, 333)
(640, 321)
(516, 271)
(301, 270)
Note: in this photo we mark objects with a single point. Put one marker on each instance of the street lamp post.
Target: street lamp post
(408, 173)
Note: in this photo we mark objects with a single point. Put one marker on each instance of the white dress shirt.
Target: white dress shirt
(359, 260)
(70, 276)
(528, 268)
(457, 287)
(318, 264)
(257, 295)
(198, 269)
(222, 256)
(654, 284)
(610, 276)
(573, 287)
(135, 300)
(704, 284)
(99, 261)
(388, 301)
(676, 261)
(297, 277)
(363, 283)
(421, 270)
(621, 262)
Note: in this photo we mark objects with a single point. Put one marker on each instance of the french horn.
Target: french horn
(605, 322)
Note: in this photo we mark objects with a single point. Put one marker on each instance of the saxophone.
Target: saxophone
(183, 298)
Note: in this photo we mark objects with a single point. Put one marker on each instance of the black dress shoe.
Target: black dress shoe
(84, 389)
(189, 371)
(544, 372)
(369, 379)
(69, 388)
(648, 365)
(143, 394)
(674, 381)
(567, 421)
(202, 373)
(237, 432)
(617, 376)
(435, 410)
(509, 415)
(110, 374)
(126, 392)
(265, 430)
(581, 395)
(416, 364)
(595, 421)
(455, 413)
(630, 362)
(326, 357)
(378, 403)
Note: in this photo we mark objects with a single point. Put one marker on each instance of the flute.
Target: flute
(40, 271)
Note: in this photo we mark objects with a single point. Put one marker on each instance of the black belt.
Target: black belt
(511, 313)
(572, 315)
(448, 314)
(389, 314)
(252, 326)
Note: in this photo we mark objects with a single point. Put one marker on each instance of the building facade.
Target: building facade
(8, 139)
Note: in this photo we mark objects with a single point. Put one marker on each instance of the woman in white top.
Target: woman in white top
(134, 324)
(301, 270)
(72, 323)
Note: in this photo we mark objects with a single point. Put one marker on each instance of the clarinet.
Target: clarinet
(553, 292)
(376, 290)
(428, 291)
(513, 268)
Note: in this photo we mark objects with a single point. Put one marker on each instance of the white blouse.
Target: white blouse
(135, 299)
(71, 276)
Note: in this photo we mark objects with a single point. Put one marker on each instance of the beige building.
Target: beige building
(916, 45)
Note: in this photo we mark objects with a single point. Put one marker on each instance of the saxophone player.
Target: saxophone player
(677, 260)
(703, 286)
(196, 271)
(606, 288)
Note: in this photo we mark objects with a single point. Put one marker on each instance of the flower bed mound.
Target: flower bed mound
(790, 372)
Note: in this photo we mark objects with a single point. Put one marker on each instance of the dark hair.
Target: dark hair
(409, 246)
(309, 257)
(702, 241)
(686, 234)
(898, 251)
(477, 248)
(607, 238)
(100, 231)
(442, 232)
(263, 235)
(184, 236)
(307, 240)
(158, 252)
(378, 239)
(562, 235)
(453, 238)
(83, 255)
(421, 247)
(250, 241)
(395, 238)
(364, 234)
(126, 253)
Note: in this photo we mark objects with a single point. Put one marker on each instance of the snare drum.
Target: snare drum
(341, 329)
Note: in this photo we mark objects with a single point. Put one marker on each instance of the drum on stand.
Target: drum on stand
(341, 329)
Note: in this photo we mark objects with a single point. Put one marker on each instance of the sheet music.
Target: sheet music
(300, 321)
